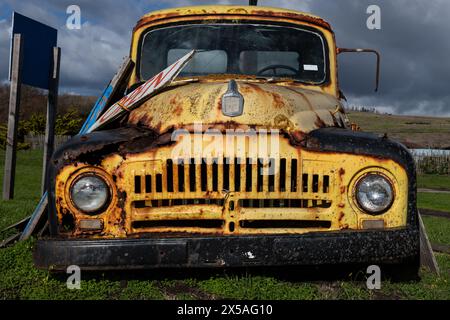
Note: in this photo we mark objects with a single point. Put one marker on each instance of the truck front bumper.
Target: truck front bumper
(386, 246)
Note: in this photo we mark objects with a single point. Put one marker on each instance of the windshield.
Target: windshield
(246, 49)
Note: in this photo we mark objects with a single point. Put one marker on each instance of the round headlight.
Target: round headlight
(374, 193)
(89, 193)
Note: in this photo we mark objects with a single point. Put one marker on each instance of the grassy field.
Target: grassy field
(27, 187)
(419, 132)
(432, 181)
(434, 201)
(20, 280)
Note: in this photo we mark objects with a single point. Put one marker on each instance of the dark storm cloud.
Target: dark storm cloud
(413, 42)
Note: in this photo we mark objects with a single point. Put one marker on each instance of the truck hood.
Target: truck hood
(269, 106)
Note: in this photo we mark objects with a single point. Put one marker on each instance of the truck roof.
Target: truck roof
(231, 10)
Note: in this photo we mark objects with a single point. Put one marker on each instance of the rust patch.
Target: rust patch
(139, 119)
(319, 122)
(297, 138)
(176, 102)
(255, 88)
(178, 110)
(299, 135)
(278, 100)
(245, 12)
(295, 16)
(283, 122)
(219, 104)
(155, 17)
(238, 10)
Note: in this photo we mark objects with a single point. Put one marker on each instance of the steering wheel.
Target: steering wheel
(274, 67)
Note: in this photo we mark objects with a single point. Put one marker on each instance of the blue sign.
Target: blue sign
(38, 42)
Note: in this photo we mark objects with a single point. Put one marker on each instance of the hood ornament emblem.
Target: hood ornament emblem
(232, 101)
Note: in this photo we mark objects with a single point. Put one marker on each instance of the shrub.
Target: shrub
(67, 124)
(433, 164)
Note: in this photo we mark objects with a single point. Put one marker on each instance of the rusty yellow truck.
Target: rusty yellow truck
(246, 158)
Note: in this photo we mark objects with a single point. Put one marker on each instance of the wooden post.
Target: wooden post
(427, 258)
(52, 102)
(13, 118)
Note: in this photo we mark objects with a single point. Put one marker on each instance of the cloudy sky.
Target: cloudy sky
(414, 43)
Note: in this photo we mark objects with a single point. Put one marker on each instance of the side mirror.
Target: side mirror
(377, 80)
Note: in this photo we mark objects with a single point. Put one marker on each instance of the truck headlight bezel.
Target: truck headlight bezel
(378, 184)
(103, 180)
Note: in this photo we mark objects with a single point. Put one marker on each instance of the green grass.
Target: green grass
(440, 229)
(433, 181)
(27, 187)
(20, 280)
(434, 201)
(258, 287)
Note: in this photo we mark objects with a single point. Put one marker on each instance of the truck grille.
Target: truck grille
(228, 195)
(232, 175)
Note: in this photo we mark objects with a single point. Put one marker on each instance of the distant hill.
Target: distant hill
(412, 131)
(35, 101)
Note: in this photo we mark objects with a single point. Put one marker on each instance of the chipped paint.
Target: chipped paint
(202, 12)
(266, 106)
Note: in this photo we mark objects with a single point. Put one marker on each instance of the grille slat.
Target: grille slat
(198, 175)
(254, 175)
(209, 176)
(183, 175)
(220, 176)
(265, 176)
(231, 175)
(288, 175)
(276, 176)
(310, 187)
(175, 179)
(260, 180)
(237, 175)
(153, 180)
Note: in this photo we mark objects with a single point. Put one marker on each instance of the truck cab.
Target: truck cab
(246, 158)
